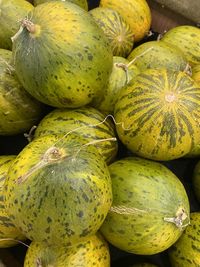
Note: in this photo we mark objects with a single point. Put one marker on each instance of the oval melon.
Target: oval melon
(62, 57)
(81, 3)
(150, 207)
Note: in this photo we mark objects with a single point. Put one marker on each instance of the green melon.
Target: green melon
(58, 190)
(121, 74)
(88, 122)
(12, 11)
(8, 231)
(158, 54)
(158, 114)
(94, 251)
(61, 56)
(185, 252)
(186, 38)
(18, 110)
(81, 3)
(150, 207)
(116, 29)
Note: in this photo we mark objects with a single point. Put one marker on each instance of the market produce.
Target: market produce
(150, 207)
(157, 55)
(185, 252)
(81, 3)
(94, 251)
(12, 11)
(116, 29)
(8, 232)
(186, 38)
(88, 122)
(18, 110)
(58, 190)
(136, 12)
(61, 56)
(158, 113)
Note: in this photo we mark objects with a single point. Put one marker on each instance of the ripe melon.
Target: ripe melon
(81, 3)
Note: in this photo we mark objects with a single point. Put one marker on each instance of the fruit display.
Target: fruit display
(99, 136)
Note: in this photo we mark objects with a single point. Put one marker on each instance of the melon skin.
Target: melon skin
(81, 3)
(116, 29)
(185, 252)
(157, 114)
(12, 11)
(145, 195)
(58, 190)
(66, 61)
(94, 251)
(88, 122)
(8, 231)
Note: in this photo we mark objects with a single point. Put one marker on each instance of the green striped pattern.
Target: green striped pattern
(158, 114)
(144, 194)
(116, 29)
(81, 3)
(185, 252)
(88, 122)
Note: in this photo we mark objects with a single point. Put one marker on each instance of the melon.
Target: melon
(116, 29)
(185, 252)
(12, 11)
(158, 114)
(81, 3)
(62, 57)
(196, 73)
(94, 251)
(58, 190)
(186, 38)
(150, 207)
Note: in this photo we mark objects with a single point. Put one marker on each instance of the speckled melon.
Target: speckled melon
(88, 122)
(18, 110)
(150, 207)
(116, 29)
(185, 252)
(81, 3)
(8, 231)
(94, 251)
(61, 55)
(122, 73)
(136, 12)
(12, 11)
(158, 54)
(158, 114)
(58, 190)
(186, 38)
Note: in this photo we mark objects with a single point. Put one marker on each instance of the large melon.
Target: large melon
(61, 56)
(88, 122)
(150, 207)
(19, 111)
(81, 3)
(158, 114)
(58, 190)
(94, 251)
(12, 11)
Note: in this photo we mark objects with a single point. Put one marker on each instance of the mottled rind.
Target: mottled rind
(158, 114)
(185, 252)
(81, 3)
(94, 251)
(145, 194)
(58, 190)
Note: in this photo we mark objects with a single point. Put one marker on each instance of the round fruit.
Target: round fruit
(58, 190)
(136, 12)
(150, 207)
(185, 252)
(12, 11)
(88, 122)
(187, 38)
(8, 232)
(158, 113)
(116, 29)
(158, 54)
(18, 110)
(61, 56)
(81, 3)
(94, 251)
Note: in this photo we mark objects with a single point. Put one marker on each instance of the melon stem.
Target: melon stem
(29, 25)
(179, 219)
